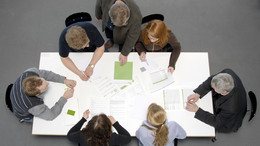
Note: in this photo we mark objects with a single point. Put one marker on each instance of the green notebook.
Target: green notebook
(124, 72)
(71, 112)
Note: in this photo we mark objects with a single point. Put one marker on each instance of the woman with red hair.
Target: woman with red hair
(157, 37)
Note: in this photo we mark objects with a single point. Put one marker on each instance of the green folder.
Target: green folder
(124, 72)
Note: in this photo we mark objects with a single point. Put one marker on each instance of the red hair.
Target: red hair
(157, 29)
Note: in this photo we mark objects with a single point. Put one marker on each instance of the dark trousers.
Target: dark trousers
(109, 35)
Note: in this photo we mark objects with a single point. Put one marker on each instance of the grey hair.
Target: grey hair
(119, 13)
(223, 82)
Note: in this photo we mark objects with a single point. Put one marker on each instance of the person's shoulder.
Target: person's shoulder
(84, 24)
(135, 12)
(172, 124)
(227, 70)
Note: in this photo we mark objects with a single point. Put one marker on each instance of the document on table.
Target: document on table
(124, 72)
(113, 107)
(99, 105)
(106, 87)
(159, 79)
(175, 99)
(153, 77)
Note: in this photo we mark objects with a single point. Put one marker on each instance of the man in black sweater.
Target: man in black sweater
(229, 101)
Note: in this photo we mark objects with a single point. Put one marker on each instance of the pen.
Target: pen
(84, 74)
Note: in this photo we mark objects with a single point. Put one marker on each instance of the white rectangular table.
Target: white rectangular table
(192, 68)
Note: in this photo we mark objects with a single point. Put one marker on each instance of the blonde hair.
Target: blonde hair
(156, 29)
(119, 14)
(76, 37)
(156, 116)
(30, 85)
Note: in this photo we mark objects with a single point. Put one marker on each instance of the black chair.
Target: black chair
(175, 142)
(253, 100)
(7, 97)
(151, 17)
(77, 17)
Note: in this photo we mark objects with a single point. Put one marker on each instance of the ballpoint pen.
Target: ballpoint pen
(84, 74)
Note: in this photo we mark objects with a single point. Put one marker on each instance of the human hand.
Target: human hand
(192, 107)
(68, 93)
(122, 59)
(142, 56)
(83, 76)
(89, 71)
(193, 98)
(70, 83)
(170, 69)
(112, 119)
(86, 114)
(98, 20)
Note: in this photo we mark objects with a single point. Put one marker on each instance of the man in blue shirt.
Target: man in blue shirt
(81, 37)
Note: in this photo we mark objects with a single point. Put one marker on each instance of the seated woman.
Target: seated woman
(98, 131)
(156, 130)
(157, 37)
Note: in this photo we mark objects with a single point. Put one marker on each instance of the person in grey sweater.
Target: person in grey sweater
(27, 98)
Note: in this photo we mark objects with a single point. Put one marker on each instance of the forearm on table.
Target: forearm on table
(48, 75)
(70, 65)
(204, 88)
(121, 130)
(97, 55)
(42, 111)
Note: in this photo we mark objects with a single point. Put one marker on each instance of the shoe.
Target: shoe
(109, 44)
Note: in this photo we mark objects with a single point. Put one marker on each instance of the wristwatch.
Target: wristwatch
(91, 65)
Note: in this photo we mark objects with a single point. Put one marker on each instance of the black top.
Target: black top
(229, 110)
(76, 135)
(96, 40)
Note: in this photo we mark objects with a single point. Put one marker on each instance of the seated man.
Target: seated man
(81, 37)
(229, 101)
(121, 21)
(27, 99)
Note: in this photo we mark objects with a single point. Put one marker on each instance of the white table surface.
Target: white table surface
(192, 68)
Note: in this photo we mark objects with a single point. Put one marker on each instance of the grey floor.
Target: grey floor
(229, 30)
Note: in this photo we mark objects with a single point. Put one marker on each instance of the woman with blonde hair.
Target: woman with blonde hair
(157, 37)
(156, 130)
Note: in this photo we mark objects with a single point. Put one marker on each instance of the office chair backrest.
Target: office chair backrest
(151, 17)
(253, 100)
(77, 17)
(7, 97)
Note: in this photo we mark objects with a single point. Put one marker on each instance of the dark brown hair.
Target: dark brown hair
(98, 130)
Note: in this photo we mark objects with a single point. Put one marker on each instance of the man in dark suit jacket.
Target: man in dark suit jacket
(229, 101)
(121, 21)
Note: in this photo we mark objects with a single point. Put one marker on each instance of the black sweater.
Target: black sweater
(76, 135)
